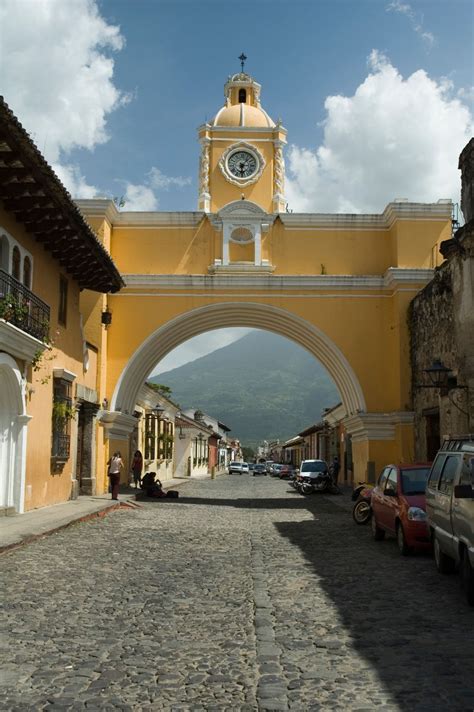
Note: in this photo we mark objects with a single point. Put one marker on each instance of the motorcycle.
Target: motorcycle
(315, 482)
(362, 509)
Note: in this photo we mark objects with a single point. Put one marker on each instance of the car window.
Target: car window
(244, 464)
(436, 471)
(448, 474)
(313, 466)
(414, 480)
(383, 477)
(467, 471)
(391, 483)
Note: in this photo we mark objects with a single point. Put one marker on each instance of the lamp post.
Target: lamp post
(442, 377)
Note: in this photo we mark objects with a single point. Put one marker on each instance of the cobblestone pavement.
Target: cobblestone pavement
(241, 595)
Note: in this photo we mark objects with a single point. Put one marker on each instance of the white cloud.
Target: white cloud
(416, 21)
(160, 180)
(143, 196)
(71, 177)
(57, 76)
(139, 197)
(394, 138)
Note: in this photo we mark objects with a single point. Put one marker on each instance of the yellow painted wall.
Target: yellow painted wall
(42, 487)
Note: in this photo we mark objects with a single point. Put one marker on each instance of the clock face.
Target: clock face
(242, 164)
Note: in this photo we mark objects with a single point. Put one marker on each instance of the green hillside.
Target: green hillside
(262, 386)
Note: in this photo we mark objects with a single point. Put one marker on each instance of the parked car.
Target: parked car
(269, 465)
(260, 469)
(285, 472)
(276, 469)
(238, 468)
(450, 509)
(399, 506)
(312, 476)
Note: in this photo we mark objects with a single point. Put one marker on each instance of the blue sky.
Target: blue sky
(376, 95)
(156, 71)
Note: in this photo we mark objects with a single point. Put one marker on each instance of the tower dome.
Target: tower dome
(242, 107)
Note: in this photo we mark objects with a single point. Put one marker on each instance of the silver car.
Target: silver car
(450, 510)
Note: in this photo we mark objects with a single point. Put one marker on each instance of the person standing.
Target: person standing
(335, 469)
(137, 467)
(115, 464)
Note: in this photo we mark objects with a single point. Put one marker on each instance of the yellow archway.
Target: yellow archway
(232, 314)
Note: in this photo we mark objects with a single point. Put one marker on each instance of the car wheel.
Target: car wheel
(403, 547)
(467, 577)
(377, 533)
(444, 563)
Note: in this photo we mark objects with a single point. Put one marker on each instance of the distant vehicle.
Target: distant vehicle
(251, 466)
(236, 468)
(260, 469)
(450, 510)
(285, 472)
(399, 506)
(276, 469)
(269, 465)
(312, 477)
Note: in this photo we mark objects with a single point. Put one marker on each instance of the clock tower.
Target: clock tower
(242, 152)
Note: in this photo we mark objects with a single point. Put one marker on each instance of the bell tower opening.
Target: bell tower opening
(242, 96)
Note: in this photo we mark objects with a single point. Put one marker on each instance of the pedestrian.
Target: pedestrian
(137, 467)
(152, 485)
(115, 464)
(335, 469)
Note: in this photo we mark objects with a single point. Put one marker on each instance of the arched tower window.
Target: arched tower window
(4, 253)
(16, 263)
(27, 272)
(242, 96)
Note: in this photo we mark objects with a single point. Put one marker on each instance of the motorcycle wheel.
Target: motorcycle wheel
(321, 486)
(361, 511)
(306, 489)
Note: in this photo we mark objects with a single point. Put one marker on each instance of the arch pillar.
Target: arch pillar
(379, 439)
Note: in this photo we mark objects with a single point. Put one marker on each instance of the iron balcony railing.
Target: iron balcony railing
(19, 306)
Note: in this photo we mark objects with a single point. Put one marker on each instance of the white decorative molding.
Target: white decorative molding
(64, 374)
(376, 426)
(241, 146)
(117, 425)
(204, 195)
(240, 268)
(18, 343)
(243, 129)
(396, 276)
(98, 207)
(278, 178)
(393, 212)
(158, 219)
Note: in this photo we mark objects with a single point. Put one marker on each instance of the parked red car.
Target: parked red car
(399, 506)
(284, 472)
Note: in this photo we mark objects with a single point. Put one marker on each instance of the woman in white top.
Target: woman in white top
(115, 464)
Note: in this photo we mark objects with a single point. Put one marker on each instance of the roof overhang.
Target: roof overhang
(33, 193)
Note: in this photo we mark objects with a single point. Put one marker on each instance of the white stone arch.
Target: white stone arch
(233, 314)
(13, 422)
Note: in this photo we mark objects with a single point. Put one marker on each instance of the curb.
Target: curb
(83, 518)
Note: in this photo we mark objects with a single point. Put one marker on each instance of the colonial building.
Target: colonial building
(48, 370)
(442, 335)
(154, 434)
(338, 285)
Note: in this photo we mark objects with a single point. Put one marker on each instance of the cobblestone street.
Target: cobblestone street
(241, 595)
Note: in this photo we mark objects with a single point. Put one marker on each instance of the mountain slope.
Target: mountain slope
(262, 386)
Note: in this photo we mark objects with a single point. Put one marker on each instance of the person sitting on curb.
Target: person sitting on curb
(152, 486)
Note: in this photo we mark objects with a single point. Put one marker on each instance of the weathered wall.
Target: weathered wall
(441, 319)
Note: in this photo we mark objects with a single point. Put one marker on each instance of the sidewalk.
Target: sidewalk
(22, 529)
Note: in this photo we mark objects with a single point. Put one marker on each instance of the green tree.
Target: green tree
(248, 453)
(160, 388)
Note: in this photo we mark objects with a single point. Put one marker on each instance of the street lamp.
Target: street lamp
(439, 376)
(158, 410)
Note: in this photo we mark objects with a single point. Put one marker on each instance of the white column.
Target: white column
(225, 245)
(258, 246)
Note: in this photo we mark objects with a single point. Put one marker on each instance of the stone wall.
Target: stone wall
(441, 320)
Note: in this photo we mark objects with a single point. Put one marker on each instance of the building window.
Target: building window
(16, 263)
(4, 253)
(63, 413)
(27, 272)
(62, 311)
(150, 436)
(242, 96)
